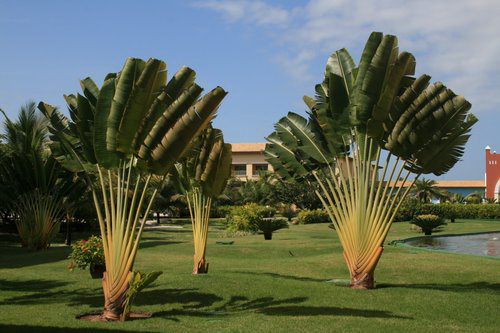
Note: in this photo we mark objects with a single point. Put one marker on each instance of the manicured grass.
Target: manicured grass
(262, 286)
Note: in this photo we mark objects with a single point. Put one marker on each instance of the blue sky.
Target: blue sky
(267, 54)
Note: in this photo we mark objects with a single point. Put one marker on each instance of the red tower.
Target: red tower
(492, 176)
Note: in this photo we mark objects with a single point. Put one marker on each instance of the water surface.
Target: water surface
(480, 244)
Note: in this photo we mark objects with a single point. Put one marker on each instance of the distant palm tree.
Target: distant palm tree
(425, 189)
(31, 184)
(474, 198)
(457, 198)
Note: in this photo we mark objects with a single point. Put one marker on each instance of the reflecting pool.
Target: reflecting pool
(480, 244)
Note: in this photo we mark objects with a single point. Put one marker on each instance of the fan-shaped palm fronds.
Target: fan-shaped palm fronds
(370, 125)
(201, 176)
(135, 126)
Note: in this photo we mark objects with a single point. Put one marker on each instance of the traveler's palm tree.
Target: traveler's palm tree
(202, 176)
(135, 126)
(369, 125)
(31, 182)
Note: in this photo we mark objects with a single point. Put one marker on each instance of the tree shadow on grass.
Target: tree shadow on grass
(40, 292)
(270, 306)
(327, 311)
(235, 305)
(473, 287)
(283, 276)
(17, 257)
(153, 243)
(31, 285)
(5, 328)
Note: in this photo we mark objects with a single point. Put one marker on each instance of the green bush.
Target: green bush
(245, 218)
(409, 208)
(220, 211)
(462, 211)
(267, 226)
(307, 216)
(428, 222)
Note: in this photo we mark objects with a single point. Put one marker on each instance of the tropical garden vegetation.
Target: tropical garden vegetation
(141, 148)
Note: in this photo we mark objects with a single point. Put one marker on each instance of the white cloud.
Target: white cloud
(454, 41)
(257, 12)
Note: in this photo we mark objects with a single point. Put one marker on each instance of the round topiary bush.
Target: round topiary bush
(428, 222)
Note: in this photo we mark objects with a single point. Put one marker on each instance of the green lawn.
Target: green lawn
(262, 286)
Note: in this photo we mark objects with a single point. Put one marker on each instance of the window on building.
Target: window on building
(239, 170)
(258, 168)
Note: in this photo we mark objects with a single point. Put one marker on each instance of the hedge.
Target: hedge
(307, 216)
(449, 211)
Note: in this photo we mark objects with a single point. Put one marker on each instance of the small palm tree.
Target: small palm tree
(474, 198)
(457, 198)
(202, 176)
(31, 182)
(425, 189)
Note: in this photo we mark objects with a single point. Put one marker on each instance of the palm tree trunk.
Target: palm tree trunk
(362, 272)
(69, 219)
(199, 209)
(114, 300)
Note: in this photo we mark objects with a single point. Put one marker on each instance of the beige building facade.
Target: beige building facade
(248, 160)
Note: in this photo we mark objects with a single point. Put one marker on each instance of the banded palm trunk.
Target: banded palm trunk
(199, 209)
(123, 200)
(362, 207)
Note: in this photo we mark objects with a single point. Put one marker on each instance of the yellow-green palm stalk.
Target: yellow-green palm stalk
(202, 176)
(135, 126)
(370, 126)
(38, 218)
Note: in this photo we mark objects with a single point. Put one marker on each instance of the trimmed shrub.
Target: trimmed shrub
(268, 226)
(462, 211)
(448, 211)
(428, 222)
(307, 216)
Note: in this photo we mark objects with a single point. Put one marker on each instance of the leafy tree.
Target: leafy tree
(133, 128)
(370, 124)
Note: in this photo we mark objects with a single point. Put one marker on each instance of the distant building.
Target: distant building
(248, 161)
(492, 174)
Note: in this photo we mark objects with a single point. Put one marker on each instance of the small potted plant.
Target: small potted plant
(88, 253)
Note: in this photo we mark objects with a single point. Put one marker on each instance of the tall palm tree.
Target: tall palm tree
(128, 132)
(358, 112)
(425, 189)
